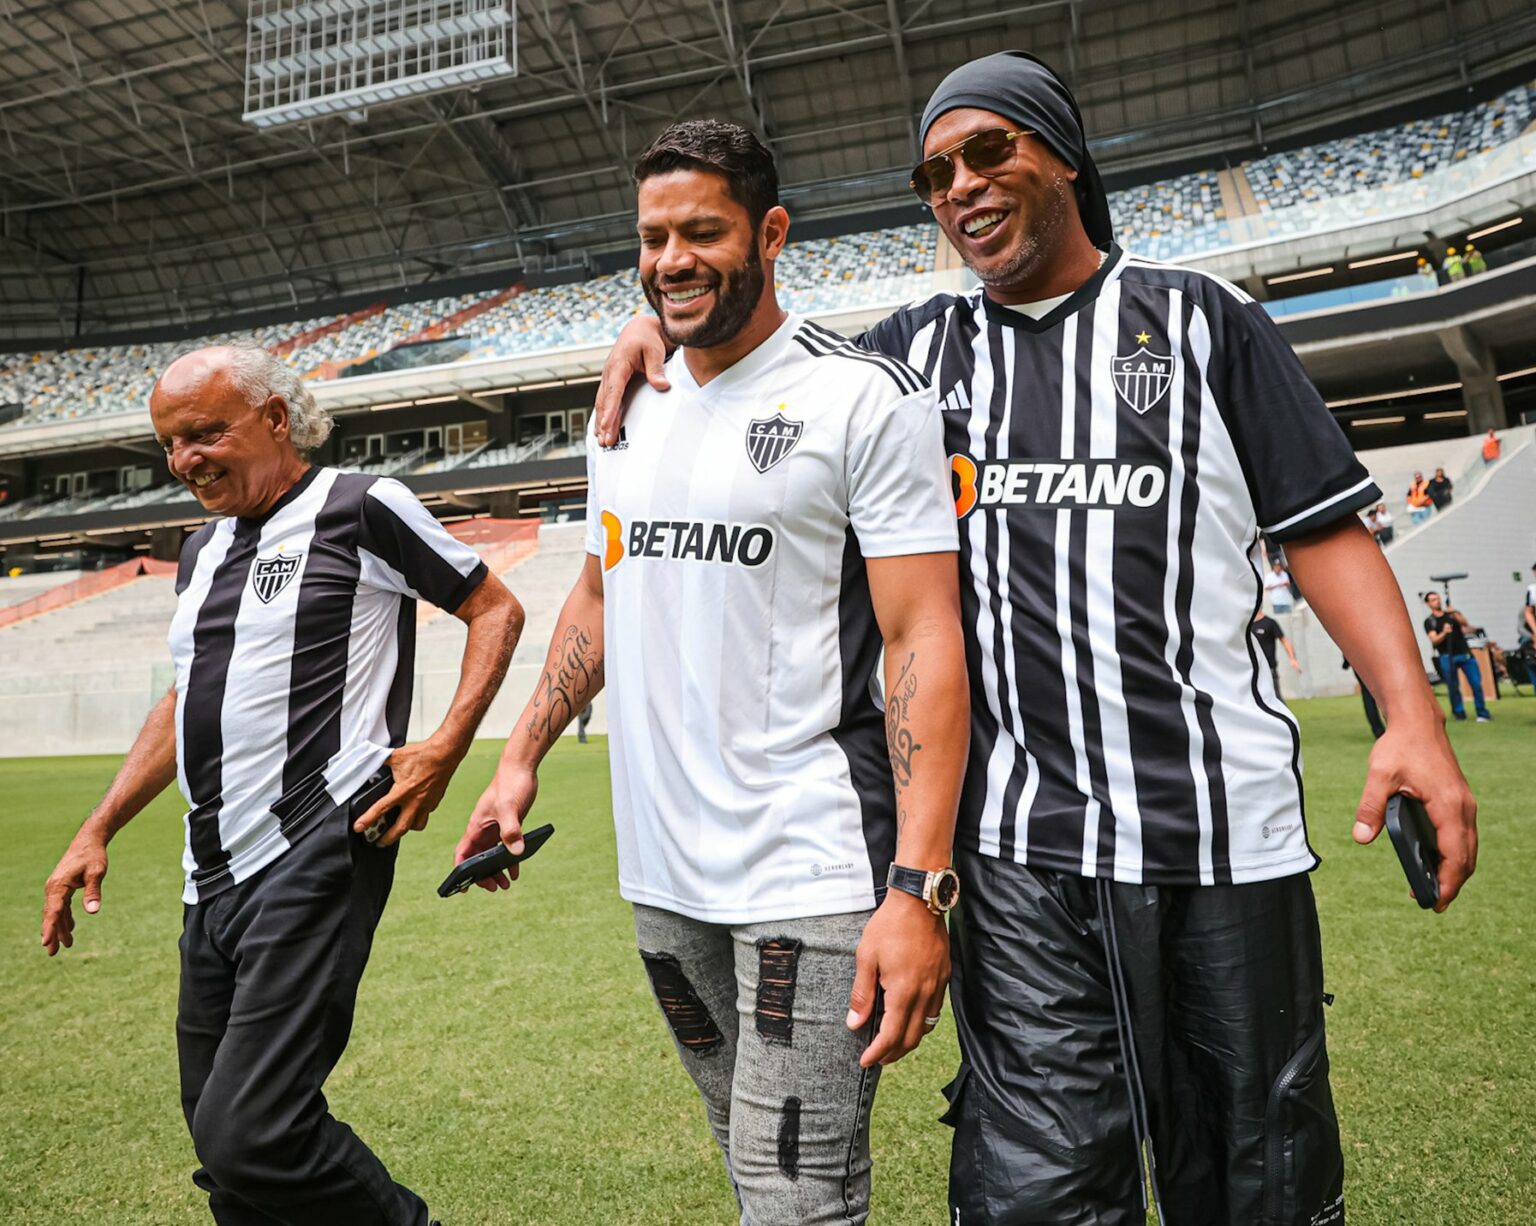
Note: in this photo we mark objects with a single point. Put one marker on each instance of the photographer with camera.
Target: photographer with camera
(1446, 628)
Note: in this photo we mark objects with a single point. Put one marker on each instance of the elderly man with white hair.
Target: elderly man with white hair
(293, 642)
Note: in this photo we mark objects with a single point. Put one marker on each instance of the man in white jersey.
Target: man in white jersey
(293, 641)
(1137, 962)
(745, 534)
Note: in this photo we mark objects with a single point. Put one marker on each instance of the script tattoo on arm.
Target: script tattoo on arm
(572, 675)
(898, 734)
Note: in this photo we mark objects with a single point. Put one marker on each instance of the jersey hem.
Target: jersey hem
(281, 841)
(749, 915)
(1240, 874)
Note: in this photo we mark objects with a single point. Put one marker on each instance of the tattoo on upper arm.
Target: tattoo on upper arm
(570, 679)
(898, 733)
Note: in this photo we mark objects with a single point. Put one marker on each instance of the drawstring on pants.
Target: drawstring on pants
(1141, 1127)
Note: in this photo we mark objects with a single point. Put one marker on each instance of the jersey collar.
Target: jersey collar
(1113, 265)
(287, 496)
(744, 372)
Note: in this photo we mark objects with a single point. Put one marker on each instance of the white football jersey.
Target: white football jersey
(747, 744)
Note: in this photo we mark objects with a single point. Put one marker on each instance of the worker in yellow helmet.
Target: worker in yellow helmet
(1452, 265)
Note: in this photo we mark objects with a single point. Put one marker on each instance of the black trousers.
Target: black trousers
(269, 975)
(1098, 1021)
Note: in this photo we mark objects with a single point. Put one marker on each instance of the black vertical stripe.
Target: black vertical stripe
(929, 363)
(202, 730)
(1035, 391)
(322, 625)
(860, 732)
(953, 353)
(1077, 600)
(186, 562)
(1159, 737)
(397, 709)
(1183, 596)
(1002, 652)
(1055, 820)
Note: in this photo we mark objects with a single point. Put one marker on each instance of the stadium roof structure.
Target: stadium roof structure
(132, 194)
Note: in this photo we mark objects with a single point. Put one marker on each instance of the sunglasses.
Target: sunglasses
(987, 153)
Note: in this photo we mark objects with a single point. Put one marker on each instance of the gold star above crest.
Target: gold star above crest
(1142, 338)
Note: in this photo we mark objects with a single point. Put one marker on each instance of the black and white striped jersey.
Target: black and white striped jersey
(1114, 463)
(294, 645)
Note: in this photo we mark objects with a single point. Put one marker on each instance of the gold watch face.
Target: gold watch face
(945, 891)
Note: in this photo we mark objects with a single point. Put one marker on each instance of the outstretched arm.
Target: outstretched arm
(146, 772)
(1353, 591)
(572, 677)
(904, 949)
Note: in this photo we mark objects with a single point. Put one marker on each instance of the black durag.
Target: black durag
(1021, 88)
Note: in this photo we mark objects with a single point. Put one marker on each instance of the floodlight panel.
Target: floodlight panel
(309, 58)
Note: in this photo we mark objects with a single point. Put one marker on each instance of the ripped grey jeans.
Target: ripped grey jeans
(758, 1013)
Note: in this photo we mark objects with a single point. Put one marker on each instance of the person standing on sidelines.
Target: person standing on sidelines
(293, 642)
(754, 540)
(1447, 629)
(1137, 961)
(1269, 633)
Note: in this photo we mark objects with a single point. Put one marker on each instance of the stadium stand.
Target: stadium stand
(1294, 193)
(88, 670)
(1388, 161)
(1171, 217)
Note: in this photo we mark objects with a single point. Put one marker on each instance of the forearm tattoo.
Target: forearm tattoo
(573, 674)
(898, 733)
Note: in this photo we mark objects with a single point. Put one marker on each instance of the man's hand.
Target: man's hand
(1417, 759)
(1296, 664)
(422, 772)
(82, 867)
(905, 952)
(498, 817)
(639, 349)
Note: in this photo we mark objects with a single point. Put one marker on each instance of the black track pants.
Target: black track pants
(269, 975)
(1092, 1014)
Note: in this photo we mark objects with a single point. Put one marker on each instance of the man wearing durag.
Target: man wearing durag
(1138, 979)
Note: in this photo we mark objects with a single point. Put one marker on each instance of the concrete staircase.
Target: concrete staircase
(1489, 532)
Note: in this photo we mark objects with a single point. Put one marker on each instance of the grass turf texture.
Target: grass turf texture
(509, 1063)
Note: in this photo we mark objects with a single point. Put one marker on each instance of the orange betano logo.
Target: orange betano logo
(613, 551)
(963, 469)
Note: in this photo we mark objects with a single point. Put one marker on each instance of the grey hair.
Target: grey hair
(257, 374)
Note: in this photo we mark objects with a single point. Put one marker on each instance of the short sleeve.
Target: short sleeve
(1301, 471)
(594, 543)
(404, 549)
(899, 500)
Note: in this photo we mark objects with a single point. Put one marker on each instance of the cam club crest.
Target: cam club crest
(770, 439)
(1142, 378)
(271, 575)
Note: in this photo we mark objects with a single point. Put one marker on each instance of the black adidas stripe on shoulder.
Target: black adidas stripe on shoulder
(822, 343)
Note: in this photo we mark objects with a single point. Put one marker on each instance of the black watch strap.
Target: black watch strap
(913, 881)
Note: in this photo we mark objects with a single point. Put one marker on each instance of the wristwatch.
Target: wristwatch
(940, 890)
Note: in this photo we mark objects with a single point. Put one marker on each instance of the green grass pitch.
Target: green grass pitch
(509, 1064)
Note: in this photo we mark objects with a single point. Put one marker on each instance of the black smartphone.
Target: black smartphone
(374, 789)
(1414, 837)
(490, 862)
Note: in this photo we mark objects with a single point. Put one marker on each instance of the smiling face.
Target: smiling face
(701, 258)
(234, 457)
(1007, 226)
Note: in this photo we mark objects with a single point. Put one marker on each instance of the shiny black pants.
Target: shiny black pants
(1102, 1022)
(269, 976)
